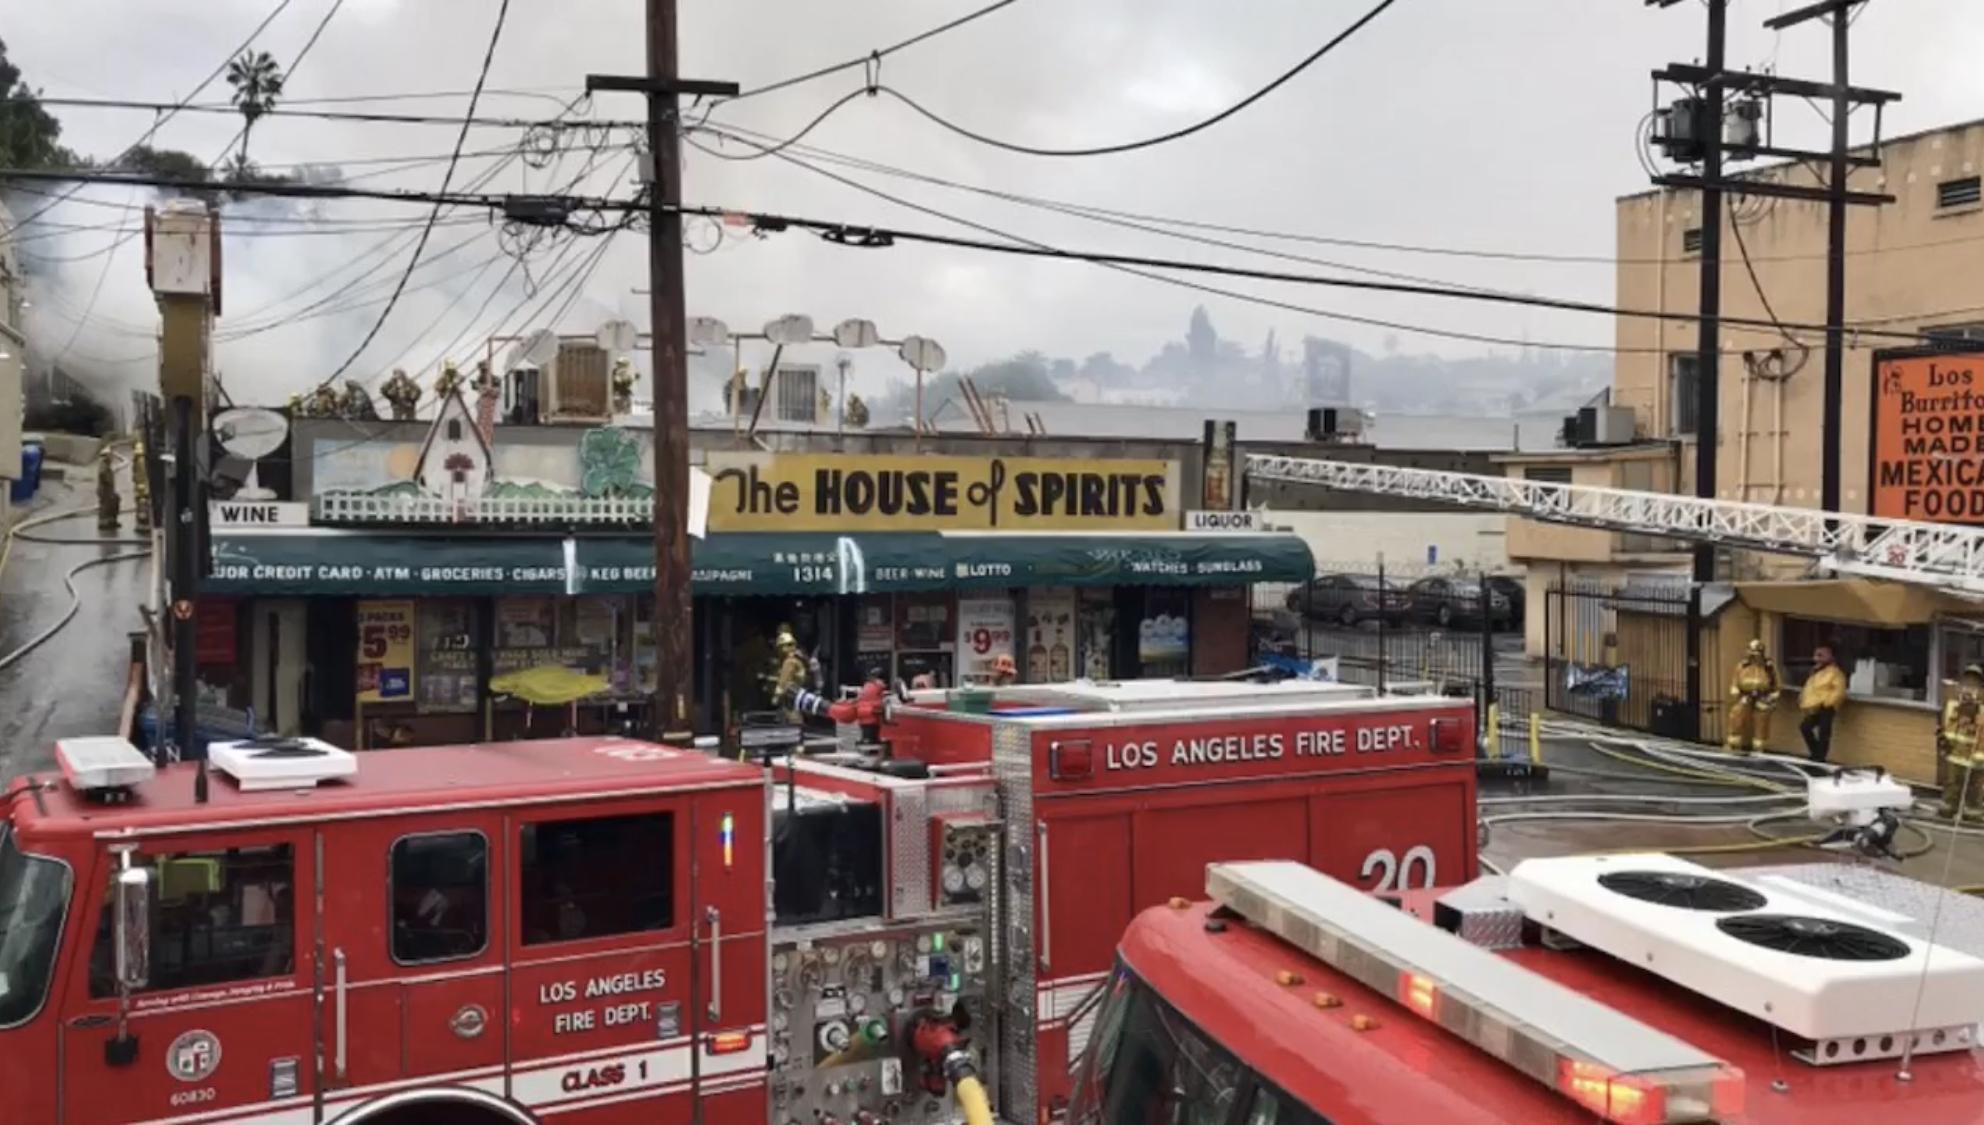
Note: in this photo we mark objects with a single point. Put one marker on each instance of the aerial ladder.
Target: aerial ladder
(1929, 554)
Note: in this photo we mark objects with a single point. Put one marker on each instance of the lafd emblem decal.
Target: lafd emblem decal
(194, 1056)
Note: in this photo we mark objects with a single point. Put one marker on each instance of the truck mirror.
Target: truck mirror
(132, 923)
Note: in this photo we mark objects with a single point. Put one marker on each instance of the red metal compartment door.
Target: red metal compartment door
(1388, 834)
(731, 907)
(1173, 845)
(413, 910)
(217, 1046)
(601, 1011)
(1082, 867)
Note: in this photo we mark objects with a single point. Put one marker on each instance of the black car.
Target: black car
(1350, 599)
(1457, 602)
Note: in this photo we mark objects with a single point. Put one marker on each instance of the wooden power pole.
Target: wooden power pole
(674, 615)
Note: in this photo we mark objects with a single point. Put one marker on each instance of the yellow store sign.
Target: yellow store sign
(385, 651)
(831, 492)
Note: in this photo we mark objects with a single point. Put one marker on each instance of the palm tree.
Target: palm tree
(257, 82)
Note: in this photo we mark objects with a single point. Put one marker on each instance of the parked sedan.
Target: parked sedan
(1451, 602)
(1350, 599)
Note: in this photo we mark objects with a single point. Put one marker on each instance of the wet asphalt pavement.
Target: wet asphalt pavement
(73, 684)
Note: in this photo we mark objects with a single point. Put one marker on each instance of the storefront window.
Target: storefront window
(1888, 664)
(874, 637)
(1164, 636)
(925, 640)
(1095, 632)
(446, 681)
(985, 633)
(1959, 644)
(1050, 636)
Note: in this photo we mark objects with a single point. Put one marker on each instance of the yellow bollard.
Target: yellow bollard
(1493, 733)
(1535, 738)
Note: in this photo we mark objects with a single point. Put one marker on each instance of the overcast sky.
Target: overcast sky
(1503, 125)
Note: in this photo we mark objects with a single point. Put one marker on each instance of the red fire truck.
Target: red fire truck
(1633, 989)
(520, 933)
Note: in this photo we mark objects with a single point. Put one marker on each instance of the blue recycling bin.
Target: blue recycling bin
(28, 483)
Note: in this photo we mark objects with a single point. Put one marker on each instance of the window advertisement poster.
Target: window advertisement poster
(385, 651)
(1095, 634)
(985, 633)
(1050, 635)
(1164, 636)
(447, 655)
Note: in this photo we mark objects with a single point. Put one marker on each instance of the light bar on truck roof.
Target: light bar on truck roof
(1607, 1062)
(105, 762)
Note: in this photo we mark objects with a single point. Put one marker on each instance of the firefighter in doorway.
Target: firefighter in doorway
(1752, 697)
(1956, 747)
(791, 671)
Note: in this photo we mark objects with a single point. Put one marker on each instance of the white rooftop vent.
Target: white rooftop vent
(281, 763)
(99, 763)
(1818, 970)
(1604, 1060)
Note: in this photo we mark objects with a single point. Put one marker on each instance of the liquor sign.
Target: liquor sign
(1926, 449)
(832, 492)
(385, 651)
(235, 514)
(1214, 522)
(985, 633)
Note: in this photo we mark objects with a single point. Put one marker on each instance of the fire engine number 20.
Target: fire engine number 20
(1415, 870)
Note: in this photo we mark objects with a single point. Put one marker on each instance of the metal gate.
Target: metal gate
(1619, 655)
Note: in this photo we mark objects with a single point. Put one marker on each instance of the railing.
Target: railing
(349, 508)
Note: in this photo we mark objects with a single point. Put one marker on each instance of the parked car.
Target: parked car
(1457, 602)
(1350, 599)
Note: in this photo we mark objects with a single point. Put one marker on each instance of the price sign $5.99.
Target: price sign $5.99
(985, 641)
(376, 639)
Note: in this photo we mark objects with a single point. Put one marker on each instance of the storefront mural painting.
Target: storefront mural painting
(830, 492)
(455, 462)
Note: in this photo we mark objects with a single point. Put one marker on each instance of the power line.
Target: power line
(1201, 126)
(447, 179)
(332, 115)
(169, 111)
(871, 59)
(873, 237)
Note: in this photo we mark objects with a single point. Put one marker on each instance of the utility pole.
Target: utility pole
(674, 606)
(182, 267)
(1700, 129)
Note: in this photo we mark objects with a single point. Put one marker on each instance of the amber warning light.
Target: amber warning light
(1605, 1061)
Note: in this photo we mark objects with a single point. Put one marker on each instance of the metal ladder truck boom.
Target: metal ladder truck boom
(1845, 543)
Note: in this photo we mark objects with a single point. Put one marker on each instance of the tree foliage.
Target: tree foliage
(30, 137)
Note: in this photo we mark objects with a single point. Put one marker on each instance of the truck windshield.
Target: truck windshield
(34, 896)
(1147, 1065)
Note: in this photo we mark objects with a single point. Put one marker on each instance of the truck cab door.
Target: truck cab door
(733, 971)
(414, 983)
(224, 1023)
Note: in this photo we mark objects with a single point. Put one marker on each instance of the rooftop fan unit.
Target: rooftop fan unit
(1828, 972)
(263, 764)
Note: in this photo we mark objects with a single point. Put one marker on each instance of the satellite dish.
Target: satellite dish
(617, 337)
(708, 332)
(250, 433)
(857, 334)
(790, 331)
(541, 347)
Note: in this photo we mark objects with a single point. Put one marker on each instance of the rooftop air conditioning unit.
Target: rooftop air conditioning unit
(1604, 425)
(580, 387)
(1334, 423)
(1827, 971)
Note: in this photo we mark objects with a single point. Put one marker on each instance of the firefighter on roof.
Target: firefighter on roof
(1752, 697)
(1956, 746)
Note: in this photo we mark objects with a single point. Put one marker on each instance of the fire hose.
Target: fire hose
(945, 1050)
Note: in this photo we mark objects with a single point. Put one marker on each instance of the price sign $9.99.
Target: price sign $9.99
(377, 639)
(984, 641)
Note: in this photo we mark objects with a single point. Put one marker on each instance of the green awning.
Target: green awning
(332, 563)
(992, 559)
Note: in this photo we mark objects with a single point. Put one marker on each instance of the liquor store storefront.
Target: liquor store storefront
(377, 638)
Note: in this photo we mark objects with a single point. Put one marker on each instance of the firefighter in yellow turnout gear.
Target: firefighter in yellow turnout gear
(1752, 698)
(791, 671)
(1958, 761)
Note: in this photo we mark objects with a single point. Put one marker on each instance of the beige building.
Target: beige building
(1912, 267)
